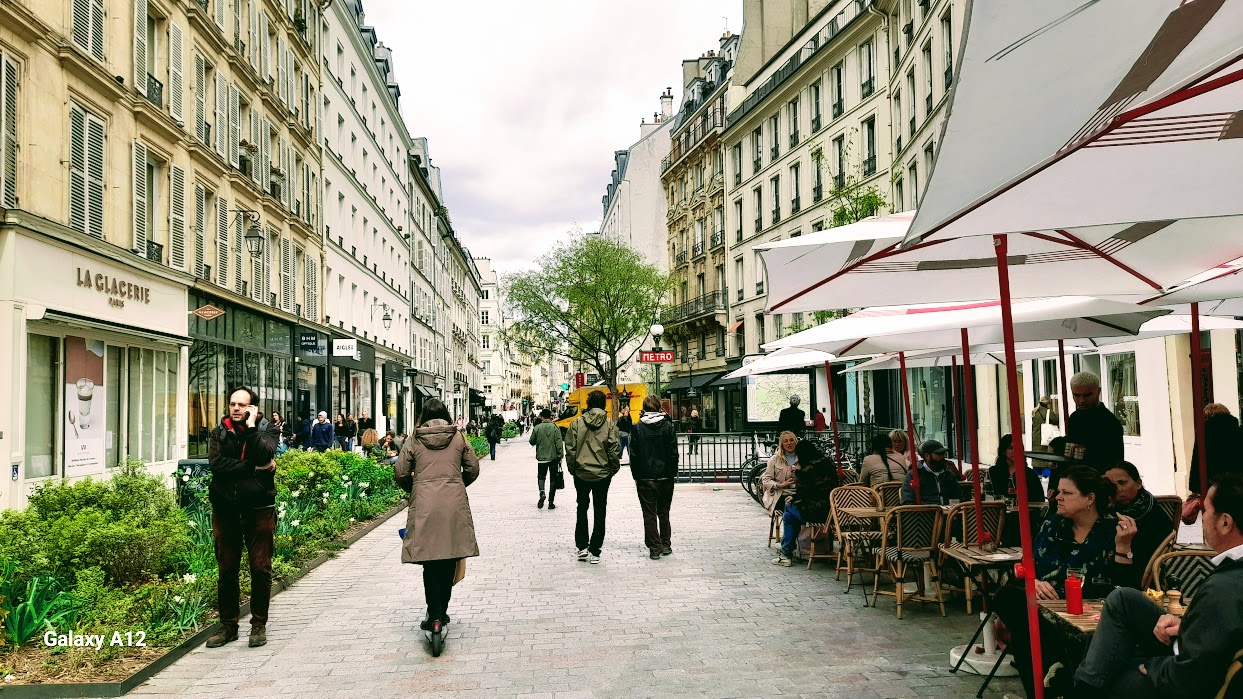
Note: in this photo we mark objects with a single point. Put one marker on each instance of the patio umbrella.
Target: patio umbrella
(947, 356)
(1139, 128)
(780, 360)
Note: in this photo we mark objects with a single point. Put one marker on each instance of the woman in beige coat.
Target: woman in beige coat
(778, 479)
(435, 466)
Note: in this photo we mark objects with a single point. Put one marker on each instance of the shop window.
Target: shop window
(42, 372)
(1123, 395)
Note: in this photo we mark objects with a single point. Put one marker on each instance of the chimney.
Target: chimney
(666, 103)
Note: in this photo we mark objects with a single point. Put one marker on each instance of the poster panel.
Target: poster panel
(85, 403)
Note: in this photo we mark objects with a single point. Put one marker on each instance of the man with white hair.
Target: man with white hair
(1092, 424)
(322, 435)
(792, 418)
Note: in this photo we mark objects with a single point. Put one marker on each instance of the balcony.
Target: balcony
(680, 258)
(815, 123)
(699, 129)
(707, 304)
(794, 139)
(718, 239)
(817, 193)
(774, 152)
(202, 4)
(868, 87)
(928, 103)
(740, 294)
(776, 214)
(913, 129)
(839, 108)
(738, 177)
(720, 350)
(698, 249)
(794, 206)
(739, 234)
(155, 91)
(869, 166)
(759, 288)
(155, 252)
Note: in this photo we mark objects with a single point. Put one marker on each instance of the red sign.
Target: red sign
(580, 379)
(656, 357)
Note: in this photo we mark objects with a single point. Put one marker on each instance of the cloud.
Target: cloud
(524, 103)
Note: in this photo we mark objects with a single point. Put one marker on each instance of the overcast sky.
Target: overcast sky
(525, 102)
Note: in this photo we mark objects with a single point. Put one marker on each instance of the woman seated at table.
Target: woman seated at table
(778, 479)
(1083, 536)
(814, 475)
(882, 465)
(1001, 479)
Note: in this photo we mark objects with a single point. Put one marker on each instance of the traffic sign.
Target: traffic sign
(565, 387)
(664, 357)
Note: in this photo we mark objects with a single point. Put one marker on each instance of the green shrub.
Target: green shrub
(480, 445)
(510, 431)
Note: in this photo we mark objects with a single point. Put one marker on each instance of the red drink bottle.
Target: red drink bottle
(1074, 594)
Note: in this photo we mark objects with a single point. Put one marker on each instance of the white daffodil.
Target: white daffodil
(8, 678)
(325, 500)
(189, 578)
(193, 524)
(364, 494)
(312, 474)
(295, 523)
(296, 493)
(345, 478)
(324, 494)
(351, 520)
(178, 599)
(185, 478)
(364, 485)
(280, 515)
(343, 496)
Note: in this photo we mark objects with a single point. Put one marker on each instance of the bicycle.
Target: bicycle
(753, 468)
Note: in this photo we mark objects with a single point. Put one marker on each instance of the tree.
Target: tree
(590, 299)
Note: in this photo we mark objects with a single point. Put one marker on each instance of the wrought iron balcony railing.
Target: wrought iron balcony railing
(707, 304)
(155, 91)
(718, 239)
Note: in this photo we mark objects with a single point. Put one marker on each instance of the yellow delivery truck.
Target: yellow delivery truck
(632, 395)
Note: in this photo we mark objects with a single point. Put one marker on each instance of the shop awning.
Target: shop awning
(426, 392)
(476, 397)
(697, 381)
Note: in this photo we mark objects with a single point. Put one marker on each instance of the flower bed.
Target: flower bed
(118, 559)
(479, 444)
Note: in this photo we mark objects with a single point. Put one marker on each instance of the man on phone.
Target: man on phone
(243, 498)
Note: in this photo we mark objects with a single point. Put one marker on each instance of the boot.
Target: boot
(226, 634)
(258, 635)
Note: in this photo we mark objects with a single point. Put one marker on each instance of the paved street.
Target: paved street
(714, 620)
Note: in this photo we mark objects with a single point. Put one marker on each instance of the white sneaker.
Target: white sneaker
(593, 559)
(583, 554)
(782, 561)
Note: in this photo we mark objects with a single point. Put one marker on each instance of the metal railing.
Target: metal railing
(869, 166)
(739, 233)
(680, 259)
(949, 77)
(698, 248)
(898, 144)
(155, 91)
(794, 139)
(913, 127)
(710, 302)
(688, 139)
(777, 214)
(928, 101)
(817, 193)
(839, 107)
(759, 223)
(794, 206)
(758, 165)
(155, 252)
(759, 289)
(718, 239)
(774, 151)
(839, 180)
(815, 123)
(868, 87)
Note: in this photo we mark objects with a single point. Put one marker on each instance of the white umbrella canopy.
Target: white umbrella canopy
(947, 356)
(923, 327)
(1140, 123)
(789, 358)
(1175, 324)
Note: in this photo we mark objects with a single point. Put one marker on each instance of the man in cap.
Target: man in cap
(937, 482)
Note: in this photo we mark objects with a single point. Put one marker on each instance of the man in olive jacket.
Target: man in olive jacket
(549, 449)
(593, 454)
(243, 496)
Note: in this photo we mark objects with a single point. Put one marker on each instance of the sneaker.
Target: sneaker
(655, 555)
(583, 554)
(667, 552)
(227, 634)
(593, 559)
(782, 561)
(552, 505)
(258, 635)
(540, 504)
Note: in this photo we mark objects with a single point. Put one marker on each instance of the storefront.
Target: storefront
(352, 380)
(98, 360)
(395, 396)
(238, 347)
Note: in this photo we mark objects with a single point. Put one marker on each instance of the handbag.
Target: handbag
(558, 476)
(460, 572)
(1192, 509)
(1050, 430)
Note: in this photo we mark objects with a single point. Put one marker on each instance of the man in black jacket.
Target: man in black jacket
(243, 496)
(654, 465)
(1093, 425)
(1181, 657)
(792, 419)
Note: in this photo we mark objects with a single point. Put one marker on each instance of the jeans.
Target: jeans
(655, 498)
(1123, 634)
(492, 446)
(625, 442)
(791, 524)
(232, 530)
(545, 469)
(589, 491)
(438, 586)
(1010, 604)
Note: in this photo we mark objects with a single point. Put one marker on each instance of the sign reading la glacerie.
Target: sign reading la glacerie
(118, 291)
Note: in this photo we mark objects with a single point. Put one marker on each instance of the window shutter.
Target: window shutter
(140, 46)
(200, 97)
(97, 29)
(254, 141)
(139, 159)
(252, 52)
(286, 274)
(265, 155)
(222, 243)
(265, 64)
(176, 65)
(237, 21)
(94, 176)
(177, 221)
(77, 170)
(222, 116)
(220, 14)
(8, 132)
(200, 229)
(235, 126)
(291, 82)
(256, 273)
(282, 85)
(238, 222)
(311, 308)
(267, 255)
(82, 24)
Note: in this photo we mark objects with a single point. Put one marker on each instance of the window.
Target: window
(927, 66)
(736, 153)
(837, 89)
(1123, 385)
(483, 318)
(758, 195)
(897, 118)
(759, 330)
(929, 159)
(777, 326)
(774, 129)
(792, 119)
(738, 218)
(867, 69)
(947, 41)
(794, 188)
(42, 409)
(898, 194)
(8, 131)
(487, 342)
(839, 161)
(486, 292)
(757, 145)
(88, 26)
(869, 146)
(86, 172)
(910, 90)
(775, 182)
(814, 91)
(913, 177)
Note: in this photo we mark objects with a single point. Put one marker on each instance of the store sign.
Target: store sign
(308, 342)
(208, 312)
(580, 379)
(118, 290)
(345, 348)
(663, 357)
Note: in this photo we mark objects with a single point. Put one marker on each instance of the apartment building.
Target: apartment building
(493, 353)
(461, 293)
(428, 340)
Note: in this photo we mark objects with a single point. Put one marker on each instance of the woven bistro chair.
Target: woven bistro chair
(855, 537)
(849, 477)
(1232, 685)
(1150, 566)
(910, 535)
(1184, 571)
(889, 493)
(1172, 506)
(960, 530)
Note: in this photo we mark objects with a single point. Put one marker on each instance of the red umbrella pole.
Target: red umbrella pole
(837, 443)
(1020, 475)
(910, 426)
(1197, 400)
(968, 380)
(1063, 388)
(955, 404)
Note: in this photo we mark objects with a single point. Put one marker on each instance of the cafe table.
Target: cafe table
(978, 563)
(860, 520)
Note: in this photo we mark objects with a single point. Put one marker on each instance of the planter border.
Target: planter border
(75, 690)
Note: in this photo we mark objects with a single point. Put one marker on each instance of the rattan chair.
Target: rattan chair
(855, 537)
(889, 493)
(1172, 506)
(960, 530)
(1162, 549)
(849, 477)
(1184, 571)
(1232, 685)
(910, 535)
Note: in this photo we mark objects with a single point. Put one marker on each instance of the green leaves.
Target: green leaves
(46, 608)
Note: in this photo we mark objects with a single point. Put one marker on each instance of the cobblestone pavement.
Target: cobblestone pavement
(716, 619)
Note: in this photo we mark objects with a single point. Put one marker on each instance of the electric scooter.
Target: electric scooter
(436, 634)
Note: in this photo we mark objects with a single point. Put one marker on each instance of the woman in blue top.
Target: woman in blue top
(1081, 536)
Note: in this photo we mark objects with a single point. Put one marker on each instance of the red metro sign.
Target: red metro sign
(662, 357)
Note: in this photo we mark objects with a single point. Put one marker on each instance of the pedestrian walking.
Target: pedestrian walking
(303, 436)
(624, 427)
(350, 429)
(338, 431)
(321, 433)
(549, 450)
(435, 467)
(693, 426)
(654, 465)
(593, 455)
(819, 423)
(243, 498)
(493, 433)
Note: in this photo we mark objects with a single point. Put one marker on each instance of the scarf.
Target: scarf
(1140, 506)
(651, 418)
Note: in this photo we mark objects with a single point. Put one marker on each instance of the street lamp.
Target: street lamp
(254, 235)
(387, 318)
(657, 330)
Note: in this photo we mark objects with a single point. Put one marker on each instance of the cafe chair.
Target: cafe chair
(1232, 686)
(889, 494)
(1184, 571)
(1164, 548)
(849, 477)
(855, 536)
(960, 530)
(909, 538)
(1172, 506)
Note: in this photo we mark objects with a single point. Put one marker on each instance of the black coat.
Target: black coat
(1224, 438)
(813, 483)
(792, 419)
(654, 450)
(234, 456)
(1099, 431)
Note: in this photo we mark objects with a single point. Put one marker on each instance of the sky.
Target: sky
(525, 102)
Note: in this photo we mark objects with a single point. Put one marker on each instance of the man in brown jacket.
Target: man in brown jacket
(593, 455)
